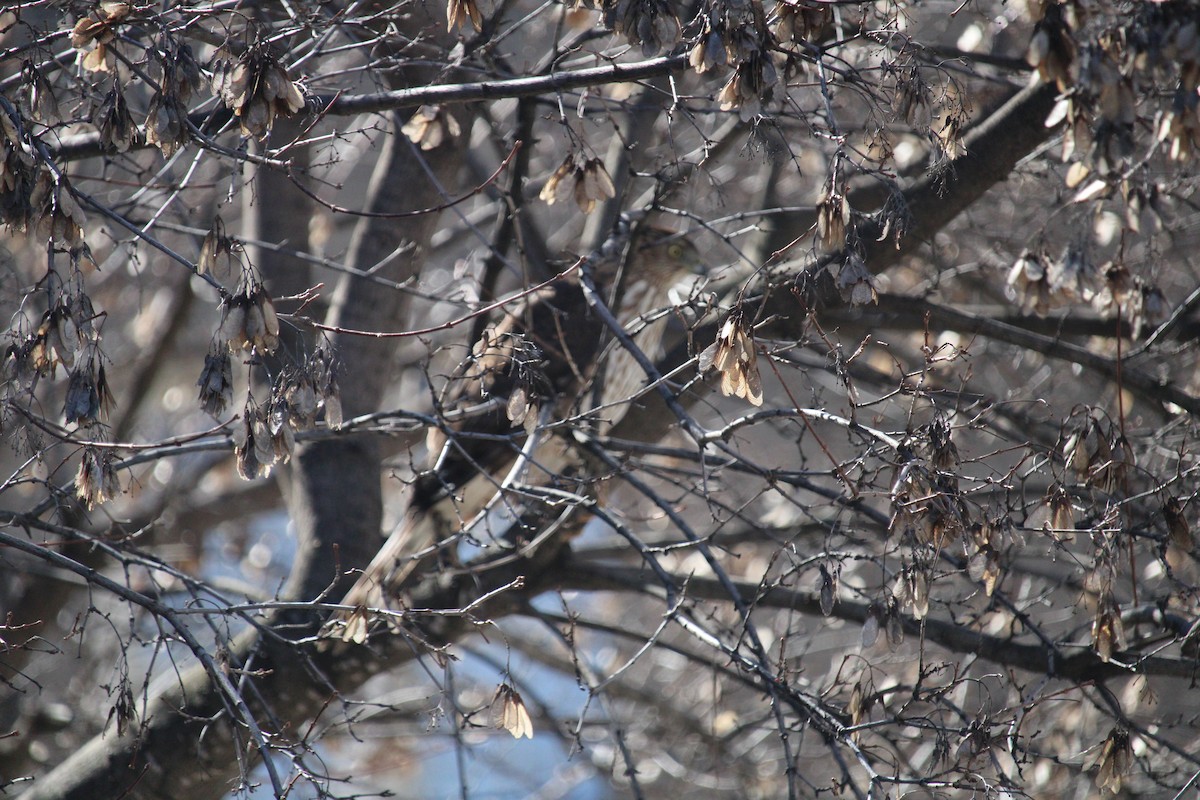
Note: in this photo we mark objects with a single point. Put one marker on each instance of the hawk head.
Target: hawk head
(658, 256)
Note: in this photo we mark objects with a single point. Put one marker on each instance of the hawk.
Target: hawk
(545, 360)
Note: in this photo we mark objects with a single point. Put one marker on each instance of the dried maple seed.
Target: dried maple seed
(216, 383)
(1179, 532)
(708, 52)
(592, 184)
(855, 282)
(283, 437)
(430, 126)
(43, 105)
(1028, 284)
(801, 20)
(96, 481)
(733, 355)
(1108, 632)
(218, 255)
(508, 713)
(1052, 48)
(301, 400)
(833, 216)
(459, 11)
(98, 28)
(88, 398)
(114, 122)
(1114, 761)
(750, 86)
(650, 23)
(356, 627)
(166, 126)
(249, 321)
(557, 188)
(55, 213)
(253, 448)
(257, 89)
(589, 183)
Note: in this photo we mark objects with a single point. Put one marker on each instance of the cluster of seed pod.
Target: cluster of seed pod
(733, 356)
(31, 195)
(88, 397)
(750, 86)
(729, 33)
(514, 356)
(1029, 285)
(1052, 47)
(737, 33)
(96, 480)
(248, 319)
(854, 281)
(1097, 452)
(113, 120)
(40, 102)
(216, 382)
(254, 85)
(18, 172)
(862, 698)
(982, 544)
(1108, 631)
(833, 214)
(219, 255)
(55, 214)
(926, 505)
(585, 180)
(1059, 509)
(801, 21)
(67, 335)
(261, 439)
(928, 512)
(652, 24)
(912, 99)
(430, 126)
(1041, 284)
(1140, 303)
(54, 343)
(508, 713)
(310, 389)
(166, 117)
(257, 88)
(1099, 583)
(884, 615)
(459, 11)
(1181, 545)
(911, 590)
(1175, 41)
(1114, 761)
(1105, 86)
(65, 330)
(266, 434)
(95, 32)
(166, 128)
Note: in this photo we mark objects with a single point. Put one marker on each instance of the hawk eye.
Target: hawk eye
(675, 250)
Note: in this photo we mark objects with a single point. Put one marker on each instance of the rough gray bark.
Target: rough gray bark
(275, 211)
